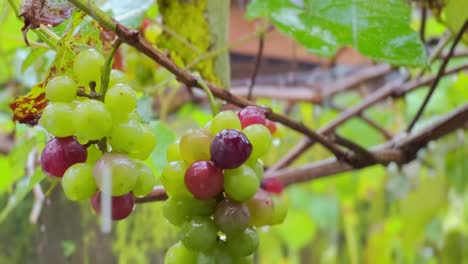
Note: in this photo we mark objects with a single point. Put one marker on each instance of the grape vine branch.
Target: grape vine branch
(401, 149)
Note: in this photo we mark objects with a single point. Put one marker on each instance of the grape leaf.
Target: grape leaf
(378, 29)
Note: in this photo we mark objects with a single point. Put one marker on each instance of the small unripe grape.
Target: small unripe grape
(257, 166)
(117, 77)
(146, 179)
(94, 154)
(173, 152)
(61, 89)
(172, 178)
(280, 206)
(125, 137)
(243, 244)
(87, 66)
(121, 170)
(91, 120)
(260, 138)
(56, 119)
(120, 100)
(145, 144)
(195, 145)
(225, 120)
(179, 209)
(241, 183)
(178, 254)
(78, 182)
(199, 234)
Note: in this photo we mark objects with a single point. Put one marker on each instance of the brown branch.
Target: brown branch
(422, 29)
(401, 151)
(258, 62)
(158, 194)
(439, 75)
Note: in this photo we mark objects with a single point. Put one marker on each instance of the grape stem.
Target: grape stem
(213, 104)
(108, 67)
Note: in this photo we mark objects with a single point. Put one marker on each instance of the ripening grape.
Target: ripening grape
(261, 209)
(91, 120)
(179, 209)
(117, 77)
(272, 185)
(122, 172)
(280, 209)
(61, 153)
(61, 89)
(251, 115)
(87, 66)
(271, 126)
(146, 179)
(244, 243)
(199, 234)
(230, 149)
(121, 206)
(125, 137)
(195, 145)
(145, 144)
(260, 138)
(120, 100)
(172, 178)
(178, 254)
(225, 120)
(173, 152)
(56, 119)
(204, 180)
(241, 183)
(231, 216)
(78, 182)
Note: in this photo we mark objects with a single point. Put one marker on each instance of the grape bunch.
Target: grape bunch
(98, 145)
(213, 182)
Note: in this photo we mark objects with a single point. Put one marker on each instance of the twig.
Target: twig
(438, 77)
(133, 38)
(436, 51)
(158, 194)
(422, 29)
(107, 67)
(258, 62)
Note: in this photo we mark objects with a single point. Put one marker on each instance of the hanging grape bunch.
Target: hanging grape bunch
(95, 136)
(213, 182)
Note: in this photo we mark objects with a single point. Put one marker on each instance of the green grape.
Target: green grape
(61, 89)
(179, 209)
(87, 66)
(173, 152)
(241, 183)
(117, 77)
(257, 166)
(172, 178)
(121, 170)
(243, 244)
(195, 145)
(78, 182)
(94, 154)
(146, 179)
(225, 120)
(199, 234)
(280, 209)
(179, 254)
(145, 145)
(91, 120)
(120, 100)
(243, 260)
(56, 119)
(125, 137)
(261, 209)
(260, 138)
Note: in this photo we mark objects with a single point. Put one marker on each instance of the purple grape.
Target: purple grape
(61, 153)
(230, 149)
(121, 206)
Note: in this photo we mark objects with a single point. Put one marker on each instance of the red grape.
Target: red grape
(251, 115)
(230, 149)
(61, 153)
(261, 209)
(204, 180)
(272, 185)
(121, 206)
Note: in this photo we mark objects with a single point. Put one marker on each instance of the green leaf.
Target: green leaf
(22, 189)
(378, 29)
(130, 12)
(456, 15)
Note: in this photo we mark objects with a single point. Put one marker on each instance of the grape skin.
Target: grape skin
(78, 182)
(121, 206)
(230, 149)
(61, 153)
